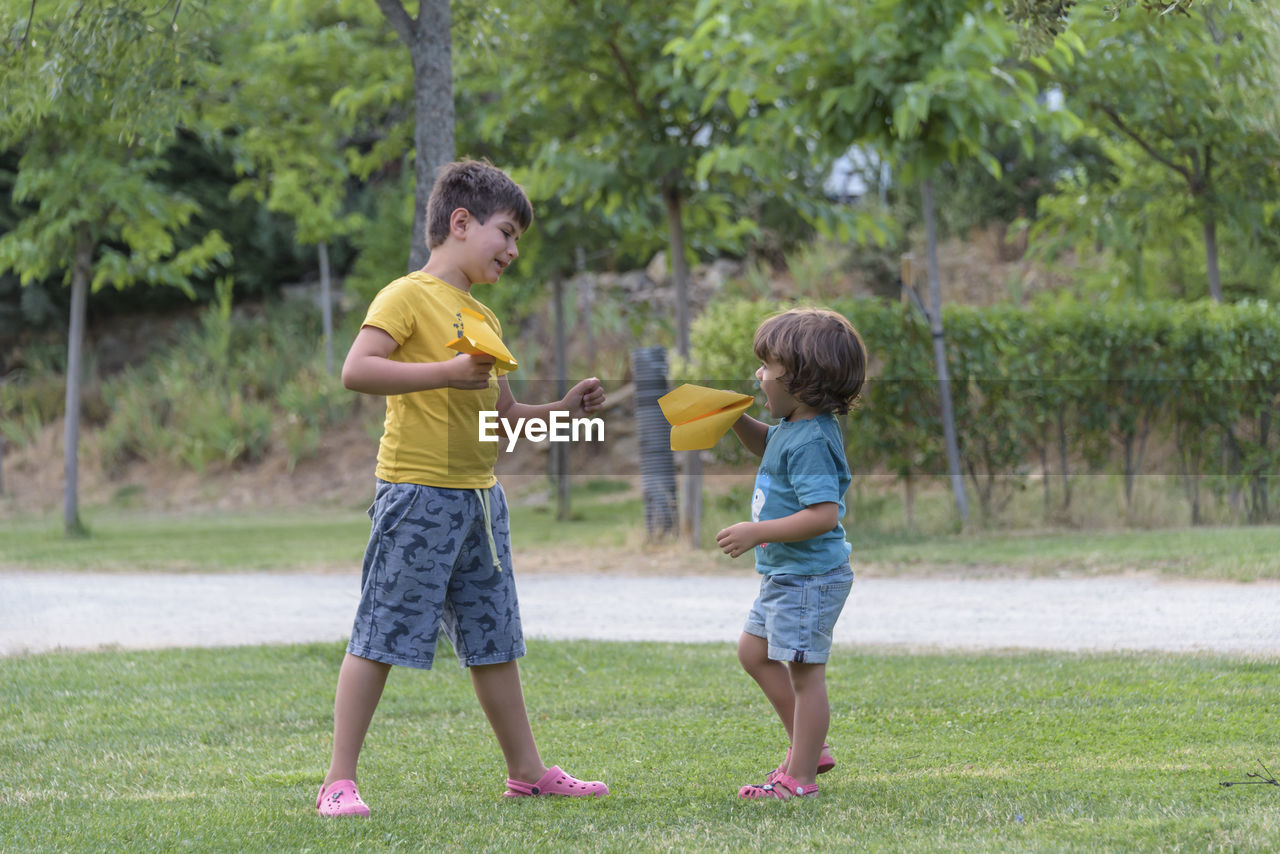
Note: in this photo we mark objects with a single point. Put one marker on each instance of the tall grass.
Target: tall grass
(239, 387)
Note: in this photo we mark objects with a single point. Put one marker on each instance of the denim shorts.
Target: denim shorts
(797, 613)
(437, 557)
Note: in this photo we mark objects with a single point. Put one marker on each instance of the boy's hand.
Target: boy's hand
(470, 371)
(737, 539)
(586, 396)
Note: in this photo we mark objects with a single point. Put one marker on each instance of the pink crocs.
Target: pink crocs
(556, 782)
(340, 798)
(825, 763)
(774, 788)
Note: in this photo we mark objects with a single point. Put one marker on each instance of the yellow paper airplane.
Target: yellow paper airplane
(478, 338)
(699, 416)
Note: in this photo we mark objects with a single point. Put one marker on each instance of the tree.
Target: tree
(1039, 22)
(96, 92)
(275, 103)
(1177, 92)
(607, 121)
(922, 84)
(429, 39)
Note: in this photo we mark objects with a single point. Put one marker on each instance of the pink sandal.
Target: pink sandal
(770, 790)
(825, 763)
(556, 782)
(340, 798)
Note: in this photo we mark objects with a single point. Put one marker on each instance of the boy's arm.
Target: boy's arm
(585, 397)
(369, 369)
(812, 521)
(752, 434)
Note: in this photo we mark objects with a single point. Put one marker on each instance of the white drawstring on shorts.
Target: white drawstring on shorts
(483, 495)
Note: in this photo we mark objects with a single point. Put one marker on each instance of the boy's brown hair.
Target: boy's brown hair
(481, 188)
(823, 356)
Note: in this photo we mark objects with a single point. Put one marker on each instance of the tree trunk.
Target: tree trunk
(71, 523)
(1211, 256)
(430, 46)
(1062, 456)
(679, 269)
(586, 303)
(1261, 511)
(1044, 474)
(691, 516)
(326, 306)
(1129, 477)
(909, 501)
(940, 355)
(560, 450)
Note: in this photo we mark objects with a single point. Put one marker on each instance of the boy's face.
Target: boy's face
(491, 246)
(777, 399)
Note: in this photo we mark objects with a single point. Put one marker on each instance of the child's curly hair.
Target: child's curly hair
(823, 356)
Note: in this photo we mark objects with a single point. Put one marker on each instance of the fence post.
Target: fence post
(657, 462)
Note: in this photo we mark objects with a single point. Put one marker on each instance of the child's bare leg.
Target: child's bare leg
(771, 676)
(498, 689)
(360, 684)
(811, 722)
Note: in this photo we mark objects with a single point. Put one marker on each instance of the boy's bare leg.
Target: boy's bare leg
(771, 676)
(498, 689)
(812, 720)
(360, 684)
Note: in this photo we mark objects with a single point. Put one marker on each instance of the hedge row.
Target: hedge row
(1068, 388)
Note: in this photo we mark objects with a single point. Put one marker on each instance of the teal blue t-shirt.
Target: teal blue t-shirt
(803, 464)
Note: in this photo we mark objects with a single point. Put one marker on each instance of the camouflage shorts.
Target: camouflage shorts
(430, 562)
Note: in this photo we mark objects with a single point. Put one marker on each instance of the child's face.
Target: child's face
(777, 399)
(492, 246)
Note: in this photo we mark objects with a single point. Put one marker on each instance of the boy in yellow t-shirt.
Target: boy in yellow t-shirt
(439, 552)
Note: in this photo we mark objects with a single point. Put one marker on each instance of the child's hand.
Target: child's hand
(470, 371)
(586, 396)
(737, 539)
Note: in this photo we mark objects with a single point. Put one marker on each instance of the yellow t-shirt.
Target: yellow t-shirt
(432, 437)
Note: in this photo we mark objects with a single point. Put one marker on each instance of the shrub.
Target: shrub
(242, 384)
(1097, 382)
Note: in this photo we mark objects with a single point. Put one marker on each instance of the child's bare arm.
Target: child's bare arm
(584, 398)
(751, 433)
(812, 521)
(369, 369)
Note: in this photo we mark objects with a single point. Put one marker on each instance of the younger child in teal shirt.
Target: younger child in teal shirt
(813, 365)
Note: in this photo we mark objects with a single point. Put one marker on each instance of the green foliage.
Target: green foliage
(609, 131)
(1172, 101)
(970, 197)
(95, 94)
(921, 82)
(306, 107)
(294, 60)
(238, 387)
(1105, 380)
(387, 218)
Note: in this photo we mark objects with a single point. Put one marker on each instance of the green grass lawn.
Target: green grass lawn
(1247, 553)
(335, 538)
(206, 542)
(222, 750)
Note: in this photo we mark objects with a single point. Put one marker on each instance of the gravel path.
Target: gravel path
(40, 612)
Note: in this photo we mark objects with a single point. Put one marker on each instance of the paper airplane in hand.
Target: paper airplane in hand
(479, 338)
(699, 416)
